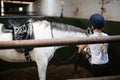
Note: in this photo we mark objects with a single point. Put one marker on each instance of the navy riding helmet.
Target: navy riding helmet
(97, 21)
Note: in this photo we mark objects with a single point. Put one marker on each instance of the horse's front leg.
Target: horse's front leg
(42, 67)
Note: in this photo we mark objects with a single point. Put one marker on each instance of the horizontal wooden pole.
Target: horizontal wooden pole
(57, 42)
(116, 77)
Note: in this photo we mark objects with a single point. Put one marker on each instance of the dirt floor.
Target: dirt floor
(53, 73)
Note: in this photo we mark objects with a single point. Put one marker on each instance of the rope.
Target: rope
(66, 61)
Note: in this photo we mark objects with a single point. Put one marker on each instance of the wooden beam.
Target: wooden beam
(117, 77)
(57, 42)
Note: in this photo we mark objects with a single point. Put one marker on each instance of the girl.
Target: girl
(99, 52)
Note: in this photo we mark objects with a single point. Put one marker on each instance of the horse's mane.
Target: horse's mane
(66, 27)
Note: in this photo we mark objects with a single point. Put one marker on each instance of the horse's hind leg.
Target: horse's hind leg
(42, 66)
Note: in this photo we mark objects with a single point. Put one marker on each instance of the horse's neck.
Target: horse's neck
(43, 30)
(67, 34)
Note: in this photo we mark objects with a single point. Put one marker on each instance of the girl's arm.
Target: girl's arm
(81, 48)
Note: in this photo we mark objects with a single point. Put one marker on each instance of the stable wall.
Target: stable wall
(78, 8)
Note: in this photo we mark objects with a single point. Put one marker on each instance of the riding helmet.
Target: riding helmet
(97, 21)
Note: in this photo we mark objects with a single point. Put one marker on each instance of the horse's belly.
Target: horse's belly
(12, 55)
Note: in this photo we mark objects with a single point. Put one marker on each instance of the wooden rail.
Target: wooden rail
(57, 42)
(117, 77)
